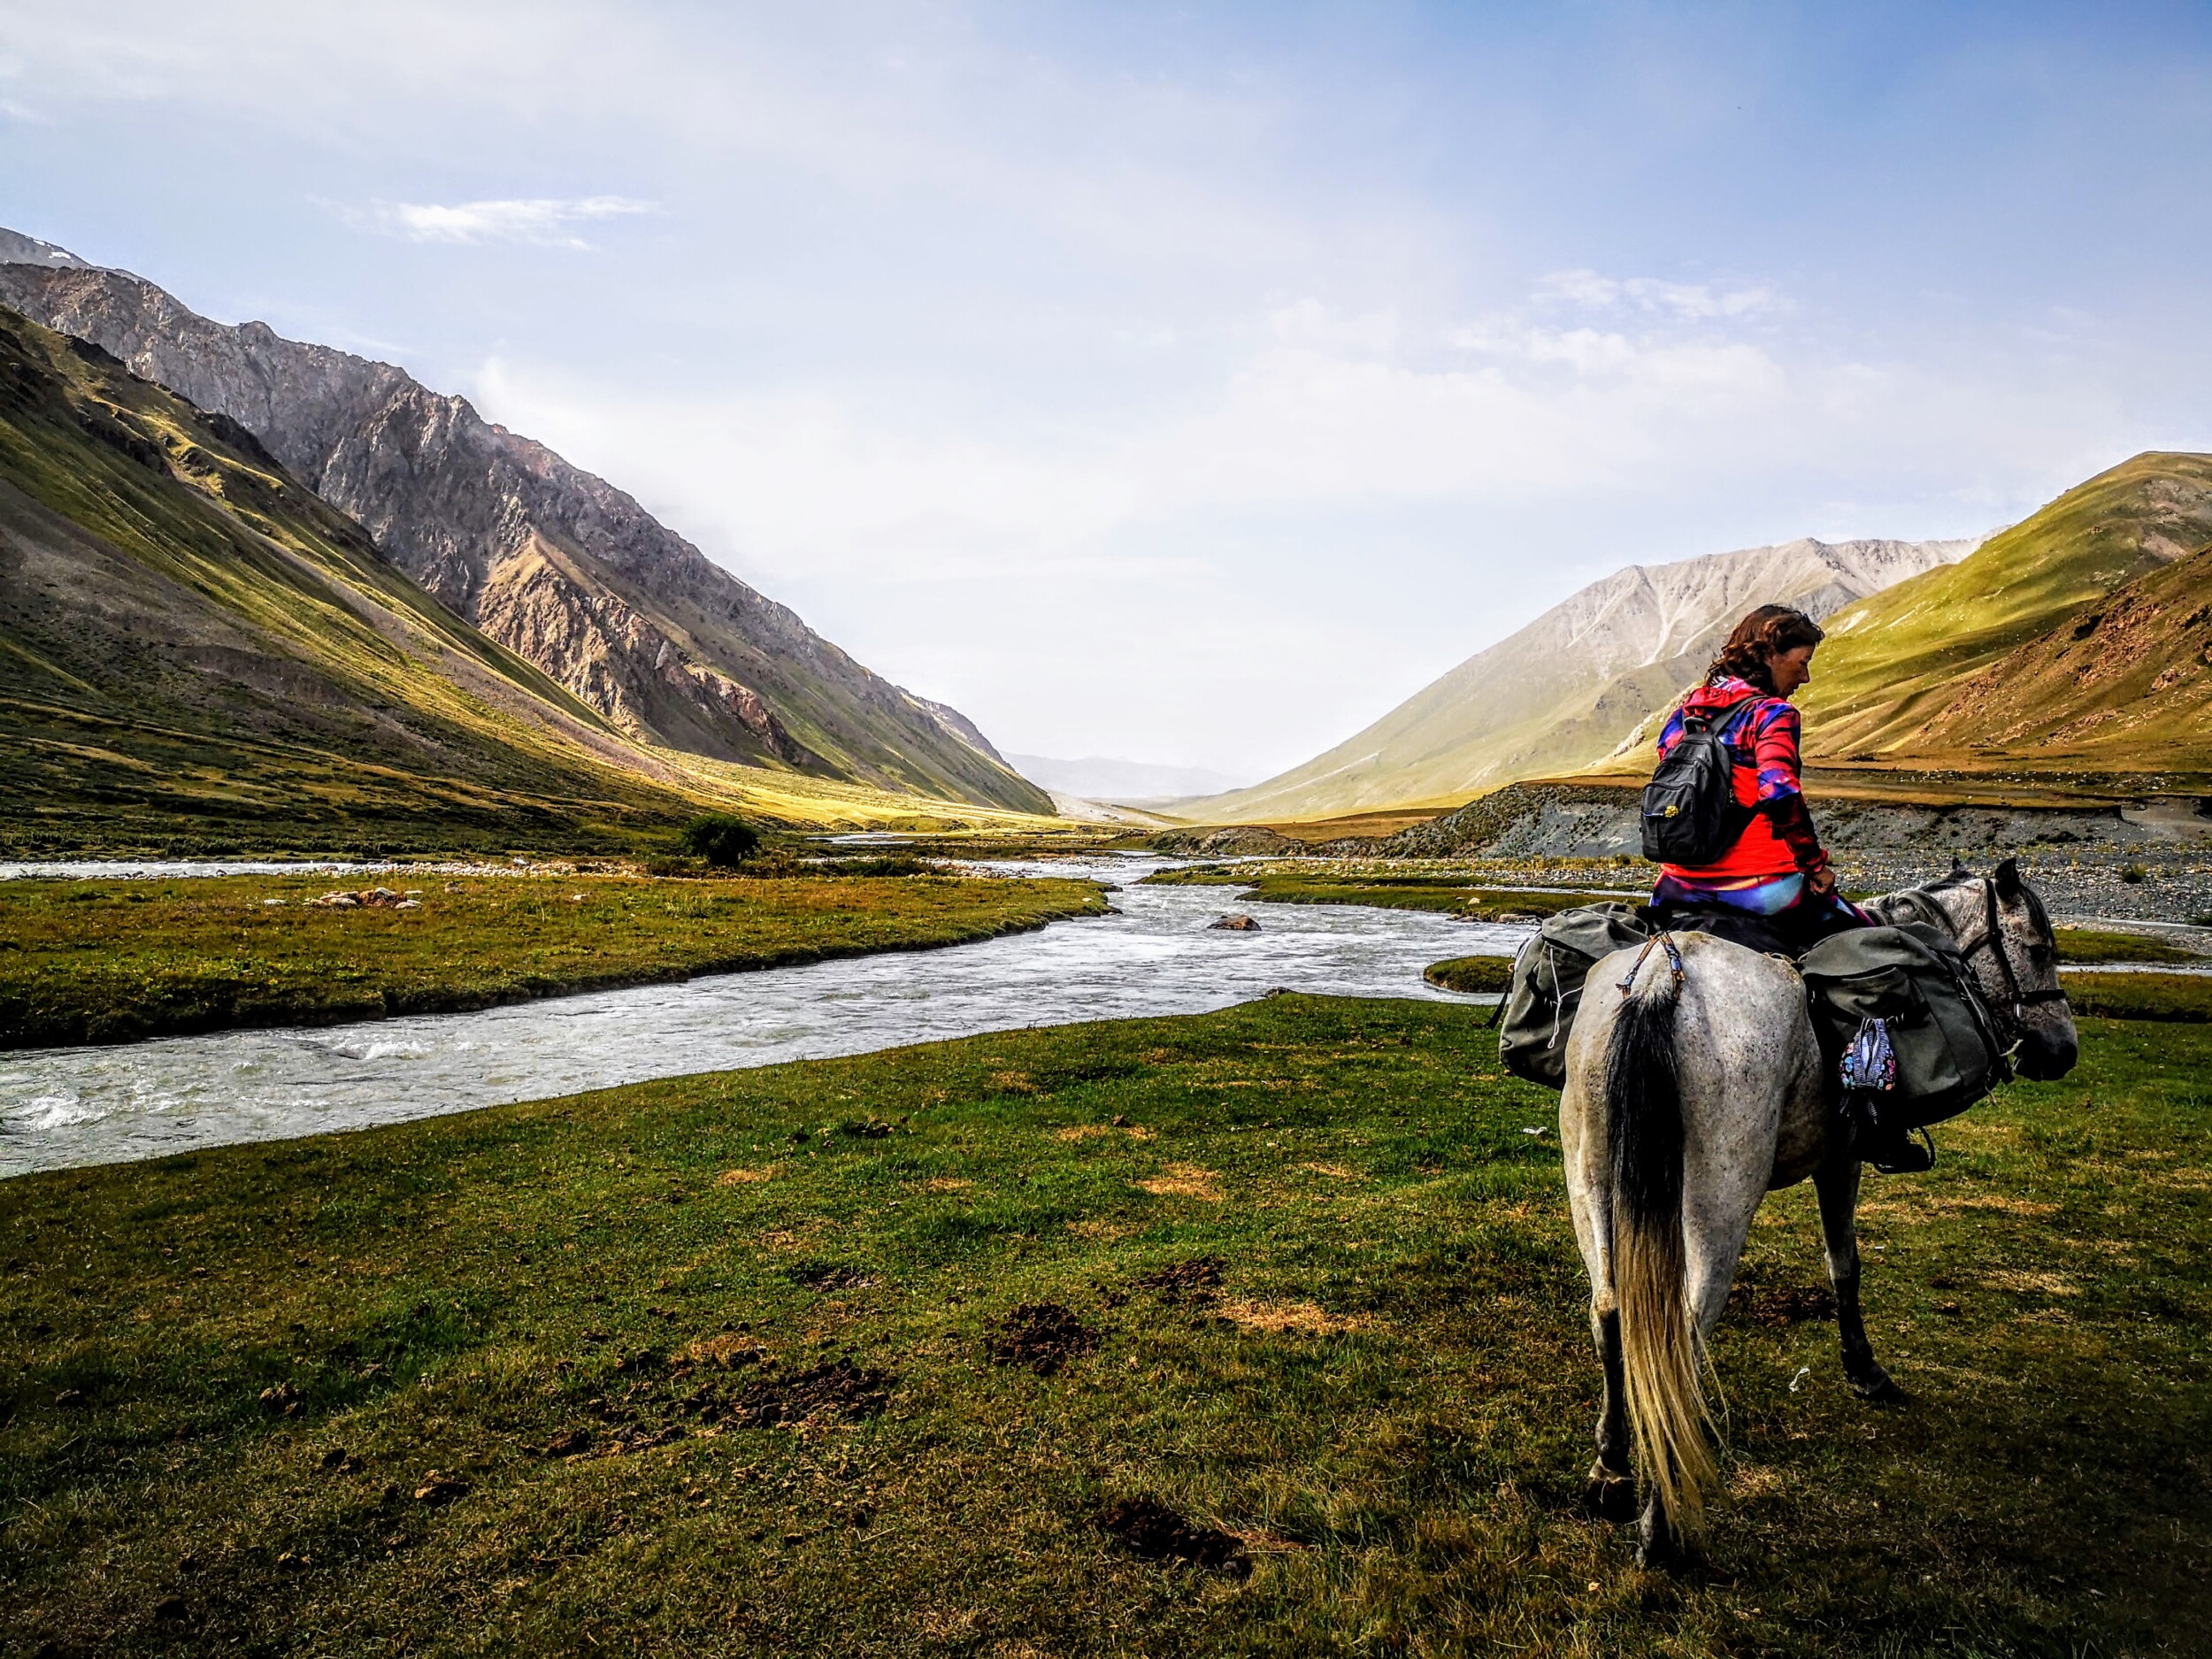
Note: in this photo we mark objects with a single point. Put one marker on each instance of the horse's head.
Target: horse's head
(2005, 935)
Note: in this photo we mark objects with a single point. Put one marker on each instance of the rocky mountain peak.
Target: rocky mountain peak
(1580, 680)
(547, 559)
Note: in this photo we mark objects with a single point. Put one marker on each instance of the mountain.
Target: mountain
(545, 558)
(1099, 779)
(1575, 685)
(2125, 685)
(195, 649)
(2002, 652)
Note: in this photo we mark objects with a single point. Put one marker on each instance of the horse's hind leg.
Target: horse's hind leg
(1838, 1184)
(1611, 1494)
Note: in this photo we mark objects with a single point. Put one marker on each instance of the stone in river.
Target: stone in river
(1238, 925)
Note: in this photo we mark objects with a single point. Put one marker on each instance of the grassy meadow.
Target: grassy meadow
(2099, 944)
(114, 961)
(875, 1354)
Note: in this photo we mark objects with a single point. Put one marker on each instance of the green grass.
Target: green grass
(1389, 1395)
(113, 960)
(2158, 996)
(2097, 944)
(1472, 975)
(1400, 891)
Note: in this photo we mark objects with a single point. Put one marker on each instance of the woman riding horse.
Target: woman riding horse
(1694, 1086)
(1772, 889)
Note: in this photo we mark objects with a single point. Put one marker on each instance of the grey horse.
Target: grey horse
(1691, 1095)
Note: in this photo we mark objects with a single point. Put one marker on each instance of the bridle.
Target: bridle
(1991, 939)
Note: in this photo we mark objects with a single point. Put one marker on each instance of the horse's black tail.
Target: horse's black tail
(1660, 1353)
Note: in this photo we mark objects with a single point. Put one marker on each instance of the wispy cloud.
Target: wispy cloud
(542, 222)
(1695, 301)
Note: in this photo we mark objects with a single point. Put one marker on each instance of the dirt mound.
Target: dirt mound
(1194, 1280)
(368, 898)
(1041, 1335)
(1148, 1528)
(1232, 841)
(835, 1388)
(1780, 1306)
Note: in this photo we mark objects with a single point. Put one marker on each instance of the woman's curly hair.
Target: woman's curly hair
(1759, 639)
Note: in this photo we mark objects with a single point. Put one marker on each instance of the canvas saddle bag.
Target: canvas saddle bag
(1905, 1035)
(1898, 1003)
(1539, 1007)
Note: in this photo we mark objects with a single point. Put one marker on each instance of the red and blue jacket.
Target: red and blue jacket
(1779, 841)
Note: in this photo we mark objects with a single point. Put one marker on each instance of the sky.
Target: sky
(1190, 384)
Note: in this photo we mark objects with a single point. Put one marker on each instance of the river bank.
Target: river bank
(121, 960)
(1152, 951)
(860, 1356)
(2148, 861)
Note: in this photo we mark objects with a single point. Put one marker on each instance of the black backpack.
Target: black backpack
(1691, 814)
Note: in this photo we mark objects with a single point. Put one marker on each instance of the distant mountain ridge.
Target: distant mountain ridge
(1576, 683)
(558, 566)
(1101, 777)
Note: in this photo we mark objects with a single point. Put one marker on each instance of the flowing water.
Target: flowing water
(61, 1108)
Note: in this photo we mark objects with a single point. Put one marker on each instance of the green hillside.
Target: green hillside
(197, 654)
(2125, 685)
(1889, 681)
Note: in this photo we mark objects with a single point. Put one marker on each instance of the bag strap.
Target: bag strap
(1497, 1009)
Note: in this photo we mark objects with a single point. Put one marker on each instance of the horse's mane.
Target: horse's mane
(1962, 877)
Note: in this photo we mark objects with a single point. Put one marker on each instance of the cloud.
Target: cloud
(1690, 300)
(540, 221)
(1323, 416)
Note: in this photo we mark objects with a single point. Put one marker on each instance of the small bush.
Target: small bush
(722, 841)
(2133, 874)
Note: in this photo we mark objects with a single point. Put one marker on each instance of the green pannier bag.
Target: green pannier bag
(1911, 977)
(1539, 1003)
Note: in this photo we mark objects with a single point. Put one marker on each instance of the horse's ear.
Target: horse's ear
(1959, 871)
(2009, 886)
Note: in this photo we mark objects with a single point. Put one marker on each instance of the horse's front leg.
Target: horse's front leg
(1838, 1185)
(1611, 1494)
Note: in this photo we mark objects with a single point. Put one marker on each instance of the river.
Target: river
(66, 1107)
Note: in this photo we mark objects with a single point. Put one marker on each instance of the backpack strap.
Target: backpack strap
(1712, 720)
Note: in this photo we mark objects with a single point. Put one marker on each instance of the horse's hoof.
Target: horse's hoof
(1610, 1497)
(1876, 1387)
